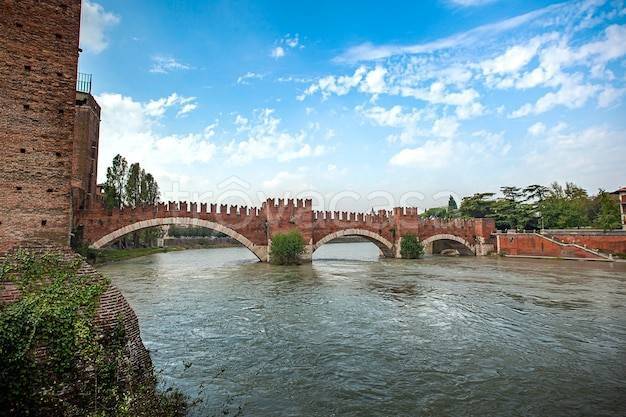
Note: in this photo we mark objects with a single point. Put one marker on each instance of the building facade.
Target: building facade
(38, 65)
(85, 151)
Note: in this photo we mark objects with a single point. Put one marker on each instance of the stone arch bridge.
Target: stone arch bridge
(254, 227)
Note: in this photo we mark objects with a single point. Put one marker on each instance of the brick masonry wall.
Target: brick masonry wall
(279, 216)
(614, 244)
(531, 244)
(85, 150)
(111, 308)
(38, 62)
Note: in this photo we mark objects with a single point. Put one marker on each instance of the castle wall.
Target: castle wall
(38, 63)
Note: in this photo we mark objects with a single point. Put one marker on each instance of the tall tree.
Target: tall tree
(133, 185)
(452, 204)
(115, 182)
(478, 205)
(609, 216)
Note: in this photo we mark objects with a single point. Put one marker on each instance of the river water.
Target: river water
(352, 335)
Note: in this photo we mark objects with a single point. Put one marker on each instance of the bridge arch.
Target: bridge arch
(465, 246)
(383, 244)
(259, 251)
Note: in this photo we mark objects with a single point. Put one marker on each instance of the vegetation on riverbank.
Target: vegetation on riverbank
(287, 248)
(101, 256)
(537, 207)
(54, 360)
(411, 247)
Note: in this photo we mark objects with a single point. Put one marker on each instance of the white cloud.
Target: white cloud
(335, 85)
(571, 95)
(248, 76)
(591, 155)
(94, 23)
(186, 108)
(370, 52)
(396, 117)
(284, 180)
(265, 140)
(278, 52)
(132, 126)
(157, 108)
(284, 44)
(433, 154)
(609, 96)
(537, 129)
(374, 81)
(446, 127)
(392, 117)
(515, 57)
(292, 41)
(164, 65)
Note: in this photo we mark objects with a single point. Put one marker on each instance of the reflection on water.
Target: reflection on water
(352, 335)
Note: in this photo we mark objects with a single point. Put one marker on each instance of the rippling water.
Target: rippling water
(369, 337)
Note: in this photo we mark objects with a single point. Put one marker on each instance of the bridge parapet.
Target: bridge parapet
(255, 226)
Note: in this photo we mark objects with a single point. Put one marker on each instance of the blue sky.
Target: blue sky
(360, 104)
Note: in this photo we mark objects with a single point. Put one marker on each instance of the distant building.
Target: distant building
(86, 140)
(622, 204)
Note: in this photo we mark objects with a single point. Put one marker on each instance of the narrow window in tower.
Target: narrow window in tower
(26, 106)
(58, 36)
(27, 68)
(44, 222)
(18, 188)
(22, 150)
(19, 25)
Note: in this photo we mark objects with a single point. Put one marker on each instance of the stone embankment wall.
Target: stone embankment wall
(111, 308)
(537, 245)
(613, 242)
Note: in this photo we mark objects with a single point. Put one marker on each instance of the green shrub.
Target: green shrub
(287, 248)
(54, 361)
(410, 247)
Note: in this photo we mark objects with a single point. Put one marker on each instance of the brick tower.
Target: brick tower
(38, 64)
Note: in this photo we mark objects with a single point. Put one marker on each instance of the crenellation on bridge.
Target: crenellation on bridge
(255, 226)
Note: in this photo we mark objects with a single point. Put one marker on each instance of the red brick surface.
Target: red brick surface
(531, 244)
(605, 243)
(38, 61)
(278, 216)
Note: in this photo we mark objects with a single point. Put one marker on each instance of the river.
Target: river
(354, 335)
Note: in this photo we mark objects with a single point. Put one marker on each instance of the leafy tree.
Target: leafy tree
(411, 247)
(452, 204)
(286, 248)
(133, 185)
(115, 183)
(478, 205)
(149, 189)
(609, 216)
(565, 207)
(536, 193)
(436, 213)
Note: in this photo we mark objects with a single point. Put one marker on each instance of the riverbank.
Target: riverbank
(108, 255)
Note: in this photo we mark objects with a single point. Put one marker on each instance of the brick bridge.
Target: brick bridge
(254, 227)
